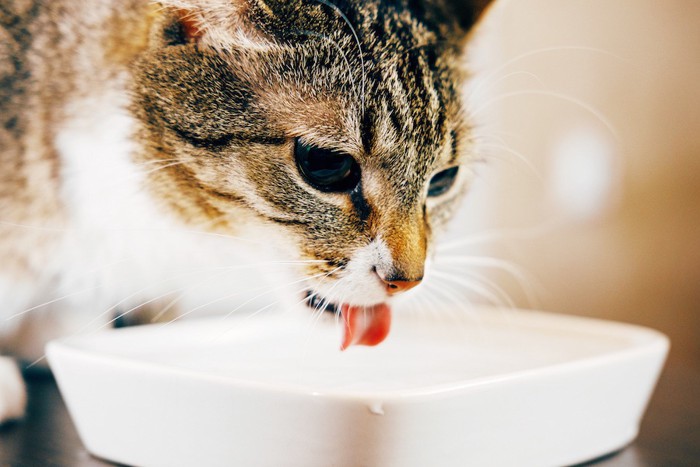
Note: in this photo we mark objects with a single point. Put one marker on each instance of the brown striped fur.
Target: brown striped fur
(395, 105)
(179, 118)
(223, 87)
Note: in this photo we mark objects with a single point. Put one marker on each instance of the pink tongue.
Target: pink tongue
(365, 325)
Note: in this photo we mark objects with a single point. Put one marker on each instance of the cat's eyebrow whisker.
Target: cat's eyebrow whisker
(342, 54)
(490, 135)
(556, 95)
(480, 82)
(495, 82)
(357, 40)
(395, 58)
(519, 155)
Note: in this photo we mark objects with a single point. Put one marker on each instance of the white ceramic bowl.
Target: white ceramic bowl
(487, 388)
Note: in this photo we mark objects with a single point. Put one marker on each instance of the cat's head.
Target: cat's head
(335, 127)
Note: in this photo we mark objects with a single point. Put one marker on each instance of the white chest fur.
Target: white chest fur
(119, 249)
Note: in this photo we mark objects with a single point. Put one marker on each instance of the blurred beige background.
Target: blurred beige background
(589, 116)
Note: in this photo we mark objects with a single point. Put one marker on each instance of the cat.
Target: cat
(139, 138)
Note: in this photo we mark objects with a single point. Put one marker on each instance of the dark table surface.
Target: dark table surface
(670, 433)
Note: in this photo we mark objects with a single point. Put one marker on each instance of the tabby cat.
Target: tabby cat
(140, 138)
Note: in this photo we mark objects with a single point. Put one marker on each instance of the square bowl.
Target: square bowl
(490, 387)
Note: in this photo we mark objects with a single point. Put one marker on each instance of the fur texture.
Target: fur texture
(138, 139)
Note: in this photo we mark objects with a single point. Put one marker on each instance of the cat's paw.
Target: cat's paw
(13, 398)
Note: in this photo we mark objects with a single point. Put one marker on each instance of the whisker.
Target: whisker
(453, 303)
(534, 92)
(41, 305)
(321, 308)
(525, 233)
(492, 84)
(167, 308)
(85, 168)
(519, 155)
(486, 77)
(33, 227)
(301, 290)
(342, 54)
(357, 40)
(123, 314)
(523, 279)
(480, 290)
(432, 292)
(223, 270)
(274, 289)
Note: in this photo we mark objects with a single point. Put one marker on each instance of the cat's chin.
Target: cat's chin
(364, 324)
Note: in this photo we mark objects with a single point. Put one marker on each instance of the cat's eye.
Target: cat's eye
(442, 181)
(325, 169)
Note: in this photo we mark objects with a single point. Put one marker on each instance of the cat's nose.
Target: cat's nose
(394, 287)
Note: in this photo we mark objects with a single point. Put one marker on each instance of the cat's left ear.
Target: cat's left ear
(467, 12)
(217, 22)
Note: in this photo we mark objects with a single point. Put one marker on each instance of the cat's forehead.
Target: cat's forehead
(379, 84)
(391, 94)
(406, 107)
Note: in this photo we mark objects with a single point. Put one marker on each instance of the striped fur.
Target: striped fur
(379, 80)
(126, 125)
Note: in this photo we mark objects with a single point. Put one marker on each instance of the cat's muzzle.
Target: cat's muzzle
(318, 303)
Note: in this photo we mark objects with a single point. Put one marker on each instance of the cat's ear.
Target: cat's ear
(467, 12)
(216, 22)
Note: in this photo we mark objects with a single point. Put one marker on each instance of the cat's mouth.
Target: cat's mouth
(364, 324)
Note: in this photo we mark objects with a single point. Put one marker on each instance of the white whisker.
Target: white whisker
(535, 92)
(525, 233)
(41, 305)
(519, 155)
(503, 78)
(480, 290)
(484, 79)
(357, 40)
(523, 279)
(220, 299)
